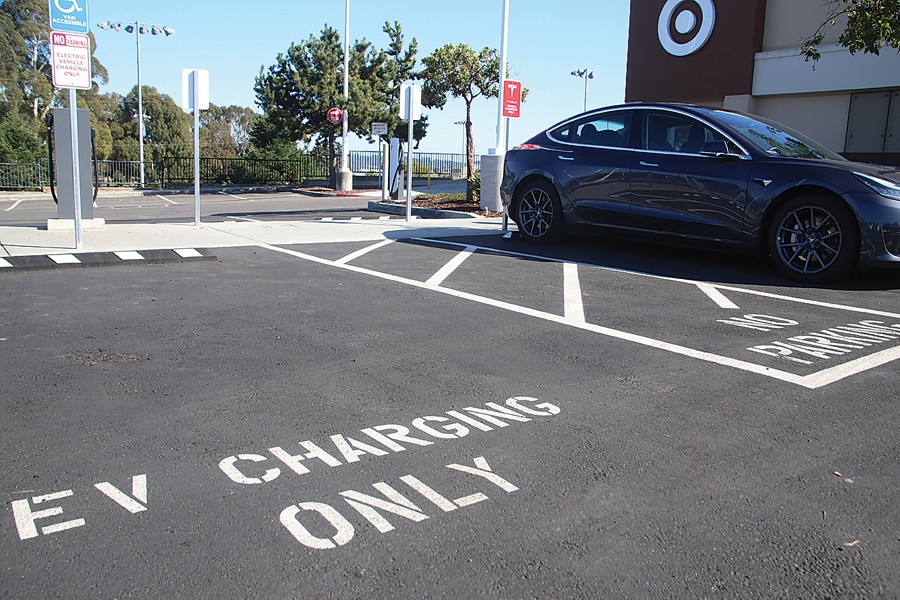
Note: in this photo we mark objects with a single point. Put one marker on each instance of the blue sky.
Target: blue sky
(547, 40)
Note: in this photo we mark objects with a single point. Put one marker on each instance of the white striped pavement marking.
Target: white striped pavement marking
(129, 255)
(15, 204)
(366, 250)
(237, 197)
(4, 263)
(166, 199)
(454, 263)
(356, 218)
(245, 219)
(384, 218)
(716, 296)
(328, 218)
(868, 311)
(64, 259)
(187, 253)
(812, 381)
(574, 306)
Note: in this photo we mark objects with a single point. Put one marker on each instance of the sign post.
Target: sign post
(411, 110)
(71, 57)
(195, 95)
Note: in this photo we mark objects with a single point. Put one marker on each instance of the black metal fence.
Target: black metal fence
(245, 170)
(180, 170)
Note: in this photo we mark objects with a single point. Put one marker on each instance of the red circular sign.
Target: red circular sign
(335, 115)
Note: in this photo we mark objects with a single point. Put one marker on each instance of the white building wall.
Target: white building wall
(822, 117)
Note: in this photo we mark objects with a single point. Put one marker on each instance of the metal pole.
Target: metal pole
(196, 99)
(409, 176)
(585, 89)
(344, 151)
(503, 58)
(384, 169)
(137, 37)
(76, 174)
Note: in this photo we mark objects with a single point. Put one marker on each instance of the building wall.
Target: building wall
(822, 117)
(789, 22)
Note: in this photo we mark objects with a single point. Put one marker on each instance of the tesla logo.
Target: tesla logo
(682, 31)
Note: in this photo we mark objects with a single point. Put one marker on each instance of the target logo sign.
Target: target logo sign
(686, 25)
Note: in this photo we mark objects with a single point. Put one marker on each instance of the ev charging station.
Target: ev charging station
(64, 157)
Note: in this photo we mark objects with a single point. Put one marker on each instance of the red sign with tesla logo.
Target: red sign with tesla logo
(512, 98)
(335, 115)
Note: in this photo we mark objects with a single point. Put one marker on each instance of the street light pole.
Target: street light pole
(137, 39)
(584, 74)
(345, 180)
(138, 29)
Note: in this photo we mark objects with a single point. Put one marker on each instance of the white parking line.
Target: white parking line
(812, 381)
(574, 305)
(366, 250)
(166, 199)
(868, 311)
(717, 296)
(523, 310)
(15, 204)
(447, 270)
(236, 197)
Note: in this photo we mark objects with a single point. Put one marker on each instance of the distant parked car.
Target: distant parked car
(701, 175)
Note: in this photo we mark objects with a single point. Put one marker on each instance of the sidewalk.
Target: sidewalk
(38, 247)
(32, 247)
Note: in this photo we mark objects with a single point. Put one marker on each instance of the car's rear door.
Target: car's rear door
(592, 163)
(676, 190)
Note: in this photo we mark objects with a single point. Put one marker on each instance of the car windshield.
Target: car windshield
(775, 139)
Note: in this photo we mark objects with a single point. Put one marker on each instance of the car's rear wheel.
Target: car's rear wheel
(814, 238)
(538, 212)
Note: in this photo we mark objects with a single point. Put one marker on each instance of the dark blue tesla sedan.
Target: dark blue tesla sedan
(706, 176)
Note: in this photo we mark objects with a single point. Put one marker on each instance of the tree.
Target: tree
(225, 130)
(871, 25)
(30, 49)
(399, 67)
(167, 127)
(457, 71)
(298, 90)
(19, 142)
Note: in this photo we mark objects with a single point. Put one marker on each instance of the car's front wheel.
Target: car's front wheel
(538, 212)
(814, 239)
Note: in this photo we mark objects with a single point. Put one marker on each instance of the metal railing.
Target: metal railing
(245, 170)
(35, 176)
(21, 176)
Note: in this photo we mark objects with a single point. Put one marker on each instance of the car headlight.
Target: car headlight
(886, 188)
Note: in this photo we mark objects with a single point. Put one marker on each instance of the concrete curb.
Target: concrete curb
(425, 213)
(12, 264)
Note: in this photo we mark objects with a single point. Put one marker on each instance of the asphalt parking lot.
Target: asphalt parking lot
(465, 416)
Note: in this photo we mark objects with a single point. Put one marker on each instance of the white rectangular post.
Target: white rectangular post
(196, 100)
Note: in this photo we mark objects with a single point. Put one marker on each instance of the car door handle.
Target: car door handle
(565, 157)
(646, 164)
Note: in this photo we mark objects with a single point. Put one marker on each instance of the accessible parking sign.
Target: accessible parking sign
(70, 16)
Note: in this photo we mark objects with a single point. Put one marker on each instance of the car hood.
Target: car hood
(883, 171)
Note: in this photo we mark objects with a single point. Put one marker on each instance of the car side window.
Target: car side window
(667, 132)
(610, 130)
(562, 133)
